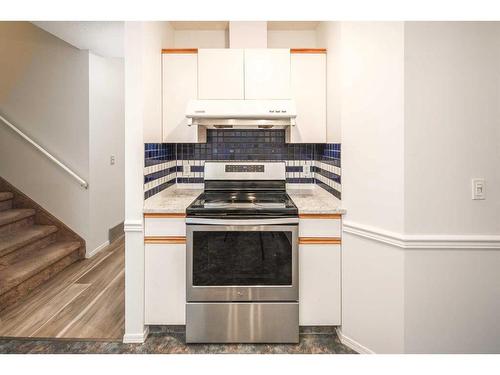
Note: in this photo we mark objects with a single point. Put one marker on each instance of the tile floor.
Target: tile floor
(170, 340)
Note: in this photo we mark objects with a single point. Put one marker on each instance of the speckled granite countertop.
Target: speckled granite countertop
(315, 200)
(308, 199)
(174, 199)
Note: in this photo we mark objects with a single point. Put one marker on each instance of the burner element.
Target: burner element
(224, 204)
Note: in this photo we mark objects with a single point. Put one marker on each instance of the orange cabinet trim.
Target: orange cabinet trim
(179, 50)
(320, 216)
(308, 50)
(320, 240)
(165, 240)
(162, 215)
(302, 240)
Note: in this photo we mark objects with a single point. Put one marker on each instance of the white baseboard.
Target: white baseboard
(136, 338)
(354, 345)
(90, 254)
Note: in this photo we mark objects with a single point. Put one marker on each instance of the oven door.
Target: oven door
(242, 262)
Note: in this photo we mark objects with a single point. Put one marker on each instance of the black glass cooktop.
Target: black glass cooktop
(242, 203)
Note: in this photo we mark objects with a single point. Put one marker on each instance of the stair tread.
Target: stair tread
(15, 214)
(5, 195)
(15, 240)
(32, 262)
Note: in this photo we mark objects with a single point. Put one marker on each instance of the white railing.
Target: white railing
(80, 180)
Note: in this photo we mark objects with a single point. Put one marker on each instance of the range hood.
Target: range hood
(248, 114)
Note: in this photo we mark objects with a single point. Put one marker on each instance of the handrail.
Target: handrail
(82, 182)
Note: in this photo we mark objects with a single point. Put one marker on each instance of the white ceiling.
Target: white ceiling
(105, 38)
(101, 38)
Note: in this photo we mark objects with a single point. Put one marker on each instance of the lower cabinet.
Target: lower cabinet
(319, 284)
(319, 274)
(165, 284)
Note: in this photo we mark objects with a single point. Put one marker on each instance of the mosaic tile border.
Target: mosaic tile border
(170, 163)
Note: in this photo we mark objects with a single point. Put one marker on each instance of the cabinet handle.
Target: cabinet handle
(165, 240)
(320, 240)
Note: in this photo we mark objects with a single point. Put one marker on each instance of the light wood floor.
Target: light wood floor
(85, 301)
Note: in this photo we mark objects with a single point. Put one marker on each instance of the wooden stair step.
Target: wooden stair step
(5, 196)
(15, 214)
(6, 205)
(15, 240)
(27, 264)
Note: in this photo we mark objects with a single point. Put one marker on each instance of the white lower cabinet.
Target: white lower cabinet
(319, 284)
(319, 274)
(165, 284)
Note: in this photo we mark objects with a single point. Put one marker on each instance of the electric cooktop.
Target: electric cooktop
(248, 203)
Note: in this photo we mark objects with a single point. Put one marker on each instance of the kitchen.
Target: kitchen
(244, 157)
(328, 118)
(229, 178)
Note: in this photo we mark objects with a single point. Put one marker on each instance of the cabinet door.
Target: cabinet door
(180, 84)
(220, 74)
(165, 284)
(319, 284)
(308, 81)
(267, 73)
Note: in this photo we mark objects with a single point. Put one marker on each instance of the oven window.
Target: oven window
(242, 258)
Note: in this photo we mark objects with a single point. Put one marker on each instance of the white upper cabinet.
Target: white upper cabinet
(308, 82)
(267, 73)
(180, 84)
(245, 74)
(221, 74)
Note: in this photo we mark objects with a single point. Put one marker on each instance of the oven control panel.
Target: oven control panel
(245, 168)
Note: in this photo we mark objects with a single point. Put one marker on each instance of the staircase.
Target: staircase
(34, 245)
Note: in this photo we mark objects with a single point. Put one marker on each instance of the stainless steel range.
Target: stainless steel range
(242, 256)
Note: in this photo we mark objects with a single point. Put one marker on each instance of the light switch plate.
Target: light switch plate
(478, 189)
(112, 160)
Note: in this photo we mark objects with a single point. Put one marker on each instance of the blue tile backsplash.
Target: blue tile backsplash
(168, 163)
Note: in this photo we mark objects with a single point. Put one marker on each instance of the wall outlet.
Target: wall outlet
(478, 189)
(112, 160)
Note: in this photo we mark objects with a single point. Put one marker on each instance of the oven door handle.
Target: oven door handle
(288, 220)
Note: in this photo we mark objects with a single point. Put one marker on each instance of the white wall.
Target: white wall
(372, 118)
(106, 132)
(452, 134)
(220, 39)
(329, 37)
(157, 35)
(71, 102)
(135, 37)
(452, 301)
(372, 62)
(291, 39)
(420, 118)
(201, 39)
(44, 91)
(452, 126)
(373, 294)
(247, 34)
